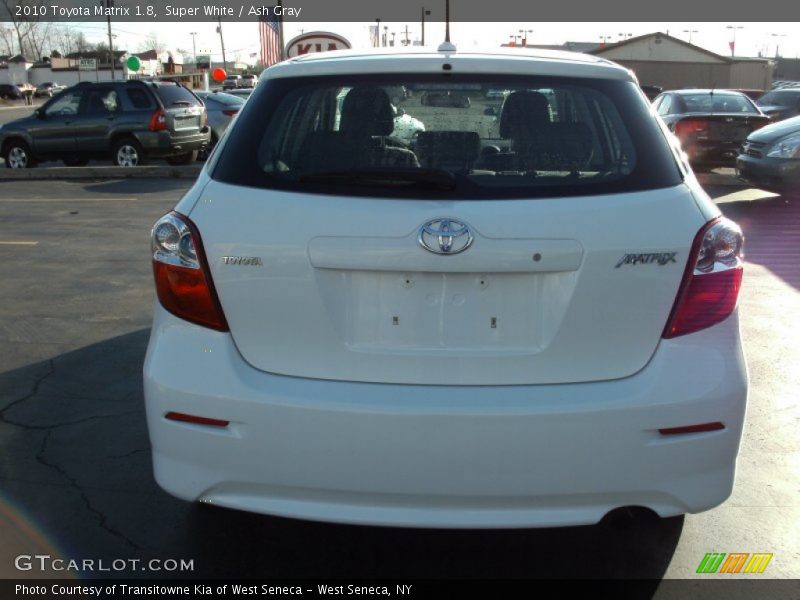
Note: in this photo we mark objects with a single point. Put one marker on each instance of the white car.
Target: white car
(520, 321)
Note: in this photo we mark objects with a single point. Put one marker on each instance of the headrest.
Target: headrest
(367, 110)
(523, 113)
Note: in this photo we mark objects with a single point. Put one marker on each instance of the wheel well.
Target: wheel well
(16, 138)
(118, 137)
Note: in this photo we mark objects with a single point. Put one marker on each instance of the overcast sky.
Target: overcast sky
(241, 39)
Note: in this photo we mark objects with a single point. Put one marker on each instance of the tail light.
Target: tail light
(689, 126)
(158, 120)
(712, 280)
(183, 281)
(230, 113)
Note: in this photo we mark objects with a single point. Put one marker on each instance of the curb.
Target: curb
(720, 179)
(145, 172)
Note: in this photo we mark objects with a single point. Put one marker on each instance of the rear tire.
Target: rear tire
(127, 152)
(183, 159)
(17, 155)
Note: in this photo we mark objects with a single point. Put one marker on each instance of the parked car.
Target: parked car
(48, 89)
(232, 82)
(710, 124)
(342, 334)
(651, 91)
(770, 158)
(221, 108)
(10, 92)
(128, 122)
(243, 93)
(781, 103)
(445, 99)
(248, 81)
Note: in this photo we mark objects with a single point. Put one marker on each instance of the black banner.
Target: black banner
(712, 588)
(308, 11)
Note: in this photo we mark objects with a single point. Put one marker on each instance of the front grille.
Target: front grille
(754, 148)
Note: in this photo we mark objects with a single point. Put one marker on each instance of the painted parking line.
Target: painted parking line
(22, 243)
(28, 200)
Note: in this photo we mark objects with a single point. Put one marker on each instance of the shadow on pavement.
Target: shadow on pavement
(77, 469)
(126, 187)
(772, 234)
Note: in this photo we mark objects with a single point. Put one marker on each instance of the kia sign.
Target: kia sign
(316, 41)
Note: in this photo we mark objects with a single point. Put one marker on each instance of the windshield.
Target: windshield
(486, 136)
(782, 98)
(728, 103)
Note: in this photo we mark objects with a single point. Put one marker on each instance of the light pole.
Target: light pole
(377, 33)
(777, 42)
(733, 43)
(604, 39)
(690, 32)
(194, 48)
(423, 13)
(385, 35)
(524, 33)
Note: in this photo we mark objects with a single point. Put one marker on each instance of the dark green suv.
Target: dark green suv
(127, 121)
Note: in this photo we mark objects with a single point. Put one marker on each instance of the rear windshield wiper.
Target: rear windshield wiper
(437, 179)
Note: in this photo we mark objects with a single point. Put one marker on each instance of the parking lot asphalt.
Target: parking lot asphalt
(75, 472)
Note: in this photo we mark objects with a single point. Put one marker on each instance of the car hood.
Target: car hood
(776, 131)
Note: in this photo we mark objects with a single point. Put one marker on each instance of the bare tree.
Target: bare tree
(6, 40)
(151, 42)
(22, 25)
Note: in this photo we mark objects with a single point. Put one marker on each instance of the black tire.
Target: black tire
(183, 159)
(76, 162)
(206, 152)
(17, 155)
(127, 152)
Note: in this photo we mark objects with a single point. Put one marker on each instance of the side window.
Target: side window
(666, 105)
(138, 98)
(101, 101)
(66, 104)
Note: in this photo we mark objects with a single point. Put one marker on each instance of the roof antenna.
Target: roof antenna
(446, 45)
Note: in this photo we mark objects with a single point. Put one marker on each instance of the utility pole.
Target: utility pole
(377, 33)
(385, 35)
(109, 6)
(222, 43)
(194, 48)
(407, 41)
(424, 12)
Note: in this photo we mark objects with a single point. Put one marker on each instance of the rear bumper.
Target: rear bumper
(770, 173)
(721, 154)
(164, 143)
(444, 456)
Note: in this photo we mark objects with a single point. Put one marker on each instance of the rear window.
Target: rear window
(448, 136)
(176, 95)
(783, 98)
(730, 103)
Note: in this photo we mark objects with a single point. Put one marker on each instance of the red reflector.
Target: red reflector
(187, 294)
(184, 418)
(688, 126)
(692, 428)
(230, 113)
(708, 299)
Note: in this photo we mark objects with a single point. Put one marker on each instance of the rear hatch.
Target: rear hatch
(345, 291)
(185, 113)
(332, 249)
